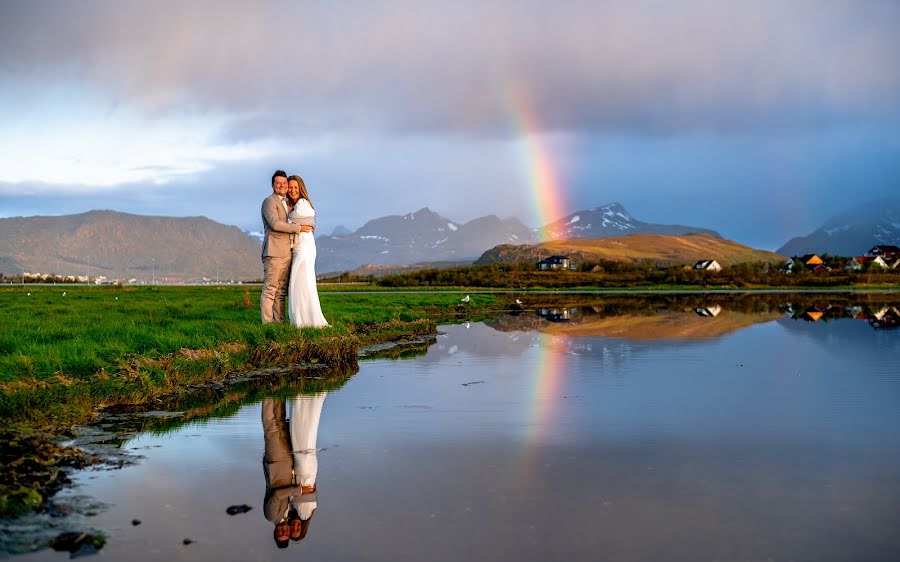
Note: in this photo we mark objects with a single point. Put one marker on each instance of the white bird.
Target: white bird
(64, 293)
(29, 294)
(117, 298)
(466, 298)
(467, 325)
(518, 301)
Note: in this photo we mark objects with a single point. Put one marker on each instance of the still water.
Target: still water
(568, 433)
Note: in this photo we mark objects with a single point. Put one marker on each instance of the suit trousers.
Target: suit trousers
(276, 272)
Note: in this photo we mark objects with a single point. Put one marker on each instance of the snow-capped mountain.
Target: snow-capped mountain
(426, 236)
(416, 237)
(608, 221)
(852, 232)
(256, 235)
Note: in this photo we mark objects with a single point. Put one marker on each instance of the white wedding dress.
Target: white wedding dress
(303, 296)
(305, 413)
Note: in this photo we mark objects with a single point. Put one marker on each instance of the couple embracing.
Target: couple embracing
(289, 255)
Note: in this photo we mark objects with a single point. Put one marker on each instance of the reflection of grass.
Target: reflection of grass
(209, 403)
(65, 355)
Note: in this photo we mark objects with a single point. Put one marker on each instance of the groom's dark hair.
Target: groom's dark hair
(277, 173)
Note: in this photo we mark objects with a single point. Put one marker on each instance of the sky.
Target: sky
(759, 119)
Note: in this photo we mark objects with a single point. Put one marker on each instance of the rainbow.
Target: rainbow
(543, 178)
(544, 400)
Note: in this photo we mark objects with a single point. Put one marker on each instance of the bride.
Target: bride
(303, 297)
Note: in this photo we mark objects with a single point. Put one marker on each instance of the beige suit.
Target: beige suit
(276, 258)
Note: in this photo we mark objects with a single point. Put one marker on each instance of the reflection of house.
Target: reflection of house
(884, 312)
(713, 310)
(820, 268)
(555, 263)
(886, 318)
(557, 314)
(708, 265)
(814, 313)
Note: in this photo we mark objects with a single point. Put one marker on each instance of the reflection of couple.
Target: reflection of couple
(290, 465)
(289, 254)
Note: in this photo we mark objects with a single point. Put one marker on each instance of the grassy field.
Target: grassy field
(66, 350)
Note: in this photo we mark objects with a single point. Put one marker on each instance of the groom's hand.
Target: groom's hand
(306, 228)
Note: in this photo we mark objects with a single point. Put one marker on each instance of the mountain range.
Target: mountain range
(852, 232)
(120, 245)
(610, 221)
(426, 236)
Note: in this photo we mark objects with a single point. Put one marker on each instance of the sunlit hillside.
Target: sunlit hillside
(662, 249)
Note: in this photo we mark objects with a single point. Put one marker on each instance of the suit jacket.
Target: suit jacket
(277, 240)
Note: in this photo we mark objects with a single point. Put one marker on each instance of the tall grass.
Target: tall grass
(66, 350)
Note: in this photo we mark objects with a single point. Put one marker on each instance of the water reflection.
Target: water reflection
(879, 317)
(694, 317)
(290, 465)
(671, 428)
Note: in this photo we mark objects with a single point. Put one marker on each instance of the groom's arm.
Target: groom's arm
(270, 215)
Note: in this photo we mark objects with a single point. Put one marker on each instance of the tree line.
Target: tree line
(609, 273)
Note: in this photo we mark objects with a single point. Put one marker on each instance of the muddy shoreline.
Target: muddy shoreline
(36, 465)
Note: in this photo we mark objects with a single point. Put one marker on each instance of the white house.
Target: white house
(708, 265)
(858, 262)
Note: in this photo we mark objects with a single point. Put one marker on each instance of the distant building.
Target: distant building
(810, 259)
(811, 262)
(860, 262)
(886, 251)
(708, 265)
(555, 263)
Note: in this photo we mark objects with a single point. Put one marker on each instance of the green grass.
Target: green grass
(61, 356)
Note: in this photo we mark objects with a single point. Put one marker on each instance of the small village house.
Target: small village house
(555, 263)
(708, 265)
(811, 260)
(886, 251)
(808, 261)
(860, 262)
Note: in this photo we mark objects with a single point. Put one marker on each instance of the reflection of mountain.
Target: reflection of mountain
(663, 325)
(479, 341)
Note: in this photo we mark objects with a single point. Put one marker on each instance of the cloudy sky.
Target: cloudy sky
(758, 119)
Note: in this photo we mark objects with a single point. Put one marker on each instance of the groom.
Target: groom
(276, 249)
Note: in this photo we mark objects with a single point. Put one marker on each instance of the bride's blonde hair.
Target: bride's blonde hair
(303, 193)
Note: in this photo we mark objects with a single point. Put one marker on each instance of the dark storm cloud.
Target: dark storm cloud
(451, 67)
